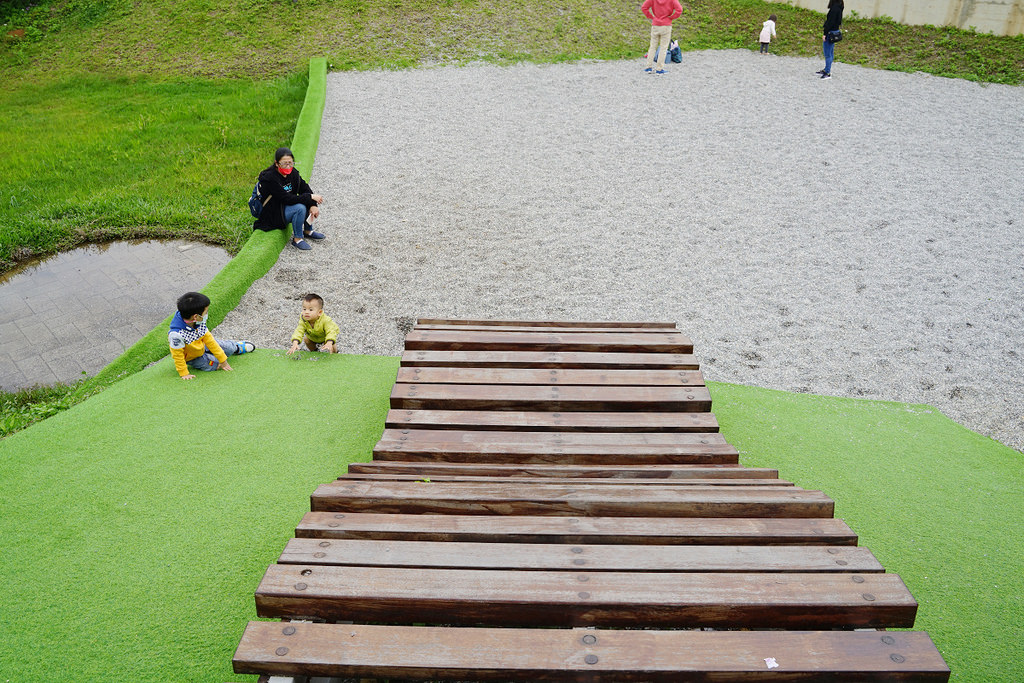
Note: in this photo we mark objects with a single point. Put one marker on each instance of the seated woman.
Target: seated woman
(289, 199)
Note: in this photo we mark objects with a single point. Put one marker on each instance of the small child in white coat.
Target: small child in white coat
(767, 32)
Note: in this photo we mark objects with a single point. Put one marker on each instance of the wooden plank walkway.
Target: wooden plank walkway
(554, 501)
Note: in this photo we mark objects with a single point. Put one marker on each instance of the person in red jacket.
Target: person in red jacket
(661, 13)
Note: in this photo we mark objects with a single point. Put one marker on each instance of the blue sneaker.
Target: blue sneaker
(661, 72)
(314, 235)
(302, 244)
(648, 70)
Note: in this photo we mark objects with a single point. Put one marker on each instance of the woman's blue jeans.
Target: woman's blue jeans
(296, 215)
(830, 51)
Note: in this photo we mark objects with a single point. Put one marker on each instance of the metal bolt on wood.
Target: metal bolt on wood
(589, 639)
(590, 659)
(288, 630)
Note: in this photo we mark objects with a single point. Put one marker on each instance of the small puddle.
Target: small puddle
(68, 315)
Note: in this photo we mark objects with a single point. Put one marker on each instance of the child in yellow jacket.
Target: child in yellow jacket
(192, 345)
(316, 329)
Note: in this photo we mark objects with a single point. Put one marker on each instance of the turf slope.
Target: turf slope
(136, 525)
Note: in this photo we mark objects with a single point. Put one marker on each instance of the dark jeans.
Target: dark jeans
(830, 50)
(764, 47)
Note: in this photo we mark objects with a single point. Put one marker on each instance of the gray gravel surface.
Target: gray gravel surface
(854, 237)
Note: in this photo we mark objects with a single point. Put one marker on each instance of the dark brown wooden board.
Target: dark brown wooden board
(544, 323)
(570, 454)
(552, 598)
(581, 530)
(668, 341)
(547, 329)
(584, 472)
(564, 481)
(467, 436)
(559, 557)
(551, 377)
(512, 420)
(516, 397)
(578, 499)
(550, 359)
(585, 655)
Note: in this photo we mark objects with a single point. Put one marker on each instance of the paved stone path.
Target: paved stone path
(70, 315)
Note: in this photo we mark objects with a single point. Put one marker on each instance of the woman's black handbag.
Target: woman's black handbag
(834, 36)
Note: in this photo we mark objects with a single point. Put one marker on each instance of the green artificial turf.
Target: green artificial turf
(137, 525)
(937, 504)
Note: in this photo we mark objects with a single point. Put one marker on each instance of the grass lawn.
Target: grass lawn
(137, 524)
(99, 158)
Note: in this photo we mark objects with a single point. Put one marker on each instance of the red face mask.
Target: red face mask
(284, 171)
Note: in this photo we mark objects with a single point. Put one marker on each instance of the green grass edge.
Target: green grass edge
(252, 262)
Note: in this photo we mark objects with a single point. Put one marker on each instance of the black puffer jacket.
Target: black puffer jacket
(283, 191)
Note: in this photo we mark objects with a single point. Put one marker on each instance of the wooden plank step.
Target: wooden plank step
(468, 436)
(544, 323)
(578, 499)
(556, 359)
(532, 556)
(546, 329)
(431, 653)
(585, 472)
(567, 454)
(553, 598)
(568, 398)
(512, 420)
(550, 376)
(668, 341)
(565, 481)
(582, 530)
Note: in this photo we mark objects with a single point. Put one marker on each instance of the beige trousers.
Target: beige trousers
(661, 36)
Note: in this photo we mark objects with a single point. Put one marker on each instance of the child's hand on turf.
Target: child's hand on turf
(324, 348)
(294, 348)
(188, 376)
(225, 366)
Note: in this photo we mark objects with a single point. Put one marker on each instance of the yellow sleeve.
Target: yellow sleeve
(331, 330)
(179, 361)
(213, 347)
(300, 331)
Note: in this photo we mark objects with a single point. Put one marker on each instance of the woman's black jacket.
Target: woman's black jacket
(834, 18)
(283, 191)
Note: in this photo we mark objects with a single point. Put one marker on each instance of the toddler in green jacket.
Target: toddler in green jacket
(315, 329)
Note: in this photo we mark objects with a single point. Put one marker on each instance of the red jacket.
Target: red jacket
(661, 12)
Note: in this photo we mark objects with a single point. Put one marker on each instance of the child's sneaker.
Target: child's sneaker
(314, 235)
(302, 244)
(648, 70)
(826, 75)
(661, 72)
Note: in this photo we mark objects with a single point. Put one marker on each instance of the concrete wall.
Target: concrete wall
(1001, 17)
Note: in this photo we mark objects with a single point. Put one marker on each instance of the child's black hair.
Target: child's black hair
(770, 17)
(314, 297)
(191, 303)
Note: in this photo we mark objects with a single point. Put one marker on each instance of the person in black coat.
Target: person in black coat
(289, 199)
(833, 20)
